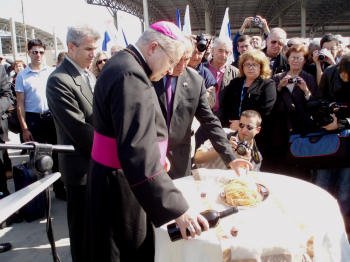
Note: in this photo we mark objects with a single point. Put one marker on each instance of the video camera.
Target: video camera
(321, 111)
(202, 43)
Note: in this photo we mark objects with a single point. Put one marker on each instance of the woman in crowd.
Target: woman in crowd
(98, 63)
(18, 66)
(295, 88)
(252, 90)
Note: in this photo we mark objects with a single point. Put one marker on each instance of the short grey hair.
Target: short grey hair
(76, 34)
(278, 32)
(224, 40)
(173, 46)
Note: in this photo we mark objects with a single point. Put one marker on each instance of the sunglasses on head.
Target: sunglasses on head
(102, 60)
(249, 127)
(35, 52)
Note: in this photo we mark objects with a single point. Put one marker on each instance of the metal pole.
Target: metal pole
(145, 14)
(0, 47)
(115, 19)
(55, 43)
(207, 20)
(303, 18)
(25, 32)
(14, 38)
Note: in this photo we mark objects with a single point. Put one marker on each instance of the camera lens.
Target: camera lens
(241, 149)
(321, 57)
(201, 43)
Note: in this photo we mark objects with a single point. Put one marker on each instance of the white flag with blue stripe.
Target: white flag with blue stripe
(225, 30)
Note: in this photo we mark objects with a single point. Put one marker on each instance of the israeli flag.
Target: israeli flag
(106, 39)
(225, 30)
(186, 29)
(178, 18)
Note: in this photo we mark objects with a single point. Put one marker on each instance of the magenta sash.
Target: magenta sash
(105, 151)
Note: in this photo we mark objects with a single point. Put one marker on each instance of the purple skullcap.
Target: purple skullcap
(168, 29)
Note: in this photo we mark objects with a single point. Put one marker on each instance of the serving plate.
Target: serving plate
(262, 190)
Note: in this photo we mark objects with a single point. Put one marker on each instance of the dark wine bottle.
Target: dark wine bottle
(212, 216)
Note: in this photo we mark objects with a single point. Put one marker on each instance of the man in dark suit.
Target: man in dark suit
(70, 95)
(128, 187)
(188, 100)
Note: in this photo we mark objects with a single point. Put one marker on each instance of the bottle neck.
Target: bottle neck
(228, 212)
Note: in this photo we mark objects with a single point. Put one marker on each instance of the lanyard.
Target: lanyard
(243, 94)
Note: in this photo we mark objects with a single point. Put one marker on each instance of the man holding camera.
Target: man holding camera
(256, 41)
(326, 56)
(335, 87)
(242, 142)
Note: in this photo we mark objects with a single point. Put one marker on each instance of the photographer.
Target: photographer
(335, 87)
(256, 21)
(242, 141)
(326, 56)
(290, 114)
(201, 43)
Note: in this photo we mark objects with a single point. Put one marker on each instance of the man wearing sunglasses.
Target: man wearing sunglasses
(33, 112)
(274, 46)
(242, 142)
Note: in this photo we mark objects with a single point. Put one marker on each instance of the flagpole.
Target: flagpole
(145, 14)
(25, 32)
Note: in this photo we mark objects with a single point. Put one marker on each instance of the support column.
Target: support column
(303, 18)
(280, 21)
(115, 19)
(207, 21)
(145, 14)
(14, 38)
(55, 44)
(0, 47)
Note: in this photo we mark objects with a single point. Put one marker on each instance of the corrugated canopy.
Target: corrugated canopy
(322, 16)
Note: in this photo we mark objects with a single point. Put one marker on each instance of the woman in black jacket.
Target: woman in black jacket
(252, 90)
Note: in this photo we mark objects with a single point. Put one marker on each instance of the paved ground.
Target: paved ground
(29, 240)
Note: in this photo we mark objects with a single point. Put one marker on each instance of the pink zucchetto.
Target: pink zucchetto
(168, 28)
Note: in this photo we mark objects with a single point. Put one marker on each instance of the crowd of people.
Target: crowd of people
(129, 115)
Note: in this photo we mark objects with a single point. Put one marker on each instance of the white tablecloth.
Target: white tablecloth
(297, 220)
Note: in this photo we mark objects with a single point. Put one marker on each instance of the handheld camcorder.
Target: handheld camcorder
(202, 43)
(321, 111)
(256, 21)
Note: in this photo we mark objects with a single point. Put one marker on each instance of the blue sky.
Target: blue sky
(57, 15)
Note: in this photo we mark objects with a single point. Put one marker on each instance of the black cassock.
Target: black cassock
(128, 188)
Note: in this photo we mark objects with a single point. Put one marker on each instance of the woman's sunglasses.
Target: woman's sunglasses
(102, 60)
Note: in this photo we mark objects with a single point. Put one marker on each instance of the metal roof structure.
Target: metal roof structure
(321, 16)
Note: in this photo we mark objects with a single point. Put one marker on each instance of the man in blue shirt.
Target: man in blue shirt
(33, 112)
